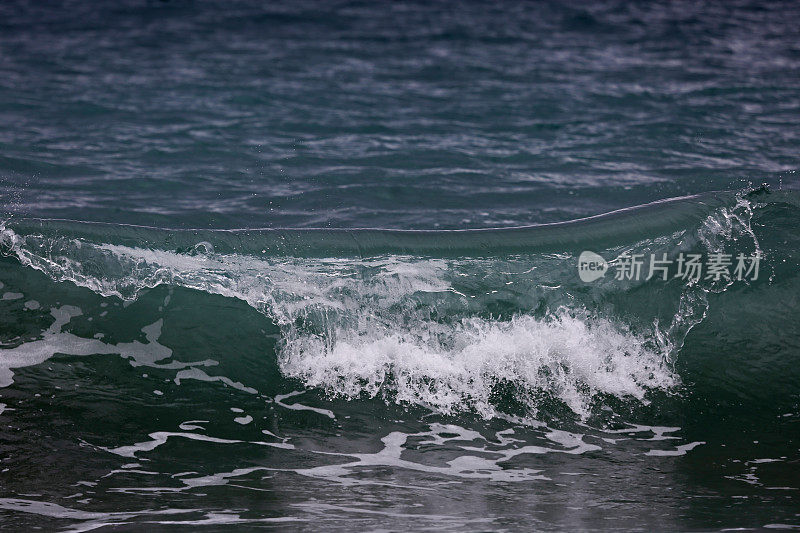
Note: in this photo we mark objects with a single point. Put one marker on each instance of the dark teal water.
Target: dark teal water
(232, 293)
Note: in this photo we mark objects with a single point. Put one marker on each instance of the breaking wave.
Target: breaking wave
(477, 321)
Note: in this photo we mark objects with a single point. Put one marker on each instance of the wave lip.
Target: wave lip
(609, 229)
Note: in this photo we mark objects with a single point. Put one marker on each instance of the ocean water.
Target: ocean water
(315, 266)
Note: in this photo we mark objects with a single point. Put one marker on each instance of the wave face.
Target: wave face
(436, 331)
(483, 346)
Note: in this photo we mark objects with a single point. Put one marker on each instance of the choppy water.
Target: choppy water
(195, 333)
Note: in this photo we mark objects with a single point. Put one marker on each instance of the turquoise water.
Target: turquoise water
(316, 266)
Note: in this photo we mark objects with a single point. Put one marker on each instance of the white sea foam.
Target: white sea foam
(457, 366)
(54, 340)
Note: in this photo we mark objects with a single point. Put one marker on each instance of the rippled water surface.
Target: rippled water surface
(208, 338)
